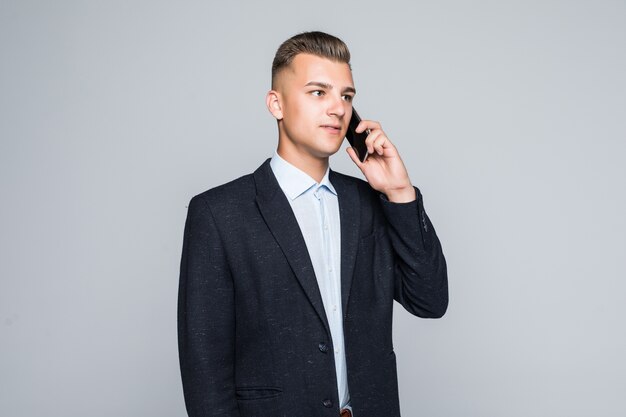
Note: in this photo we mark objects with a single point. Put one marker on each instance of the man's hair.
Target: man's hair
(315, 43)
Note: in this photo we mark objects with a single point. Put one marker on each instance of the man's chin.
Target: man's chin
(332, 148)
(327, 153)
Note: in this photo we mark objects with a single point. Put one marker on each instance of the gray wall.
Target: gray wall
(509, 115)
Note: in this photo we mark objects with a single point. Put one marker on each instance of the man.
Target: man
(288, 275)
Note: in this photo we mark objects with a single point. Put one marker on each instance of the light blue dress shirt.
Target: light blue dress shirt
(317, 211)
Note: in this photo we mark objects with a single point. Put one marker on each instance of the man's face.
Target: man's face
(316, 104)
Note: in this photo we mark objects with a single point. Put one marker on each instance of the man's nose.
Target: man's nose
(337, 106)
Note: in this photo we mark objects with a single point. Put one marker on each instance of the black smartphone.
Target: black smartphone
(357, 140)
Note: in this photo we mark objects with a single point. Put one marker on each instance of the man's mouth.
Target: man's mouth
(332, 128)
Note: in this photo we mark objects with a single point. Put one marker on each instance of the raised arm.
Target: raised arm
(421, 280)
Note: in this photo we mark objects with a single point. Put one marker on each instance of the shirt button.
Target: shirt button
(327, 403)
(323, 347)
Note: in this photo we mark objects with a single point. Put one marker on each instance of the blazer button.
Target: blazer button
(327, 403)
(323, 347)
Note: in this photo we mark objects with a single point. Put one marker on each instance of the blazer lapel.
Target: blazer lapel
(349, 215)
(281, 221)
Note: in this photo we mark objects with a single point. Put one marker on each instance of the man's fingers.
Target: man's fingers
(377, 140)
(379, 144)
(367, 124)
(371, 139)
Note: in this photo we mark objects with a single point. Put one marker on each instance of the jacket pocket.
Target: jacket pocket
(257, 393)
(260, 402)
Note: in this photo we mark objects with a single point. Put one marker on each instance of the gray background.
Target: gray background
(509, 115)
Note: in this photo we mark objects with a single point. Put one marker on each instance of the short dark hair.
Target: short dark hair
(315, 43)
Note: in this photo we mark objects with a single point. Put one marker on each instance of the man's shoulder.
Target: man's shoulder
(238, 189)
(233, 187)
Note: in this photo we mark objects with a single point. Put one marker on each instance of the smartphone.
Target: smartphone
(357, 140)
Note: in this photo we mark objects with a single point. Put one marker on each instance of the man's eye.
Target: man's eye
(317, 93)
(348, 98)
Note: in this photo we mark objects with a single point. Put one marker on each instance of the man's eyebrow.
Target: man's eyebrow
(329, 86)
(319, 84)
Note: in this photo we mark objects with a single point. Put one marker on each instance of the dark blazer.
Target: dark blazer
(254, 340)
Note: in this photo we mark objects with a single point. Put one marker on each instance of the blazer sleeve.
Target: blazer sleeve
(421, 279)
(206, 318)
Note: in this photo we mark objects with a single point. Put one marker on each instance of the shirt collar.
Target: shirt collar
(295, 182)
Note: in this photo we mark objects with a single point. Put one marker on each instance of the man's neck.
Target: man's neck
(312, 166)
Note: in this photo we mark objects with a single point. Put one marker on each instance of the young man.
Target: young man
(288, 275)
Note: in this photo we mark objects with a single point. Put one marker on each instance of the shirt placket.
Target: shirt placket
(330, 279)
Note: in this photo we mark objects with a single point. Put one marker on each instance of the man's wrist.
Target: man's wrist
(402, 195)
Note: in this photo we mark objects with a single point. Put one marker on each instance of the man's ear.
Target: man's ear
(273, 102)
